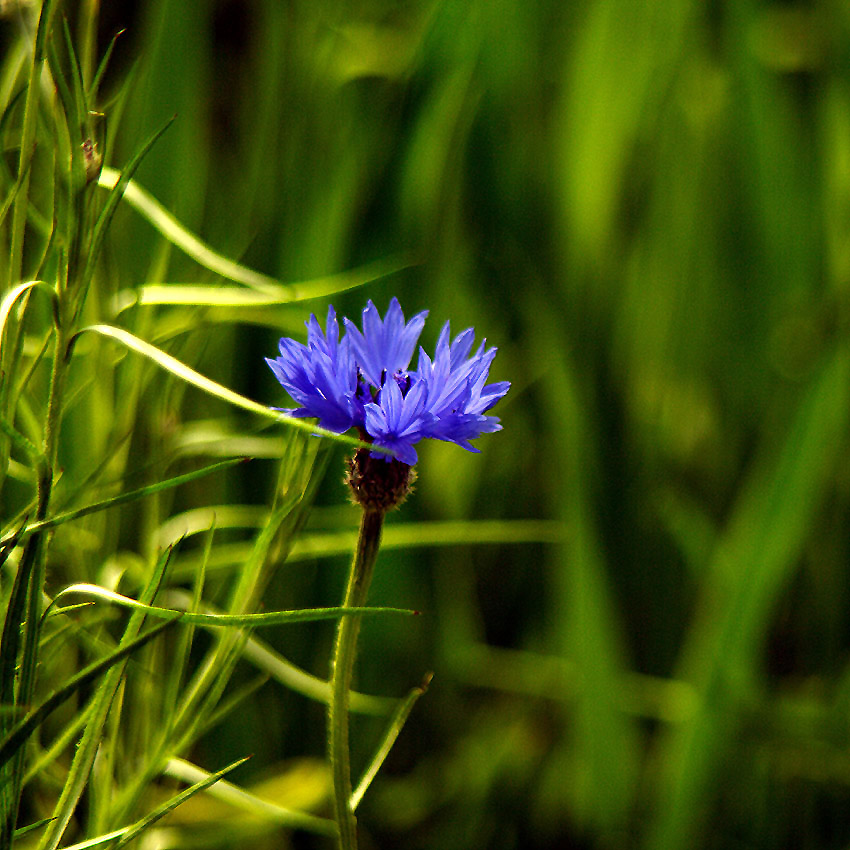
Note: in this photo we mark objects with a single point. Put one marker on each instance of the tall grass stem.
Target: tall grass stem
(345, 650)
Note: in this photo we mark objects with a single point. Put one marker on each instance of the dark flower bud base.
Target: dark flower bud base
(377, 485)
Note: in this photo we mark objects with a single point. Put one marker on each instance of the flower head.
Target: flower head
(363, 381)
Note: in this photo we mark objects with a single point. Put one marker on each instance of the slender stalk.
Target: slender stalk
(343, 663)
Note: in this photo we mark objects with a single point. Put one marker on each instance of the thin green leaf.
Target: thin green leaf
(101, 69)
(81, 113)
(268, 290)
(290, 675)
(98, 840)
(31, 107)
(19, 833)
(183, 238)
(58, 747)
(449, 533)
(115, 196)
(123, 498)
(325, 544)
(169, 805)
(393, 729)
(19, 440)
(272, 618)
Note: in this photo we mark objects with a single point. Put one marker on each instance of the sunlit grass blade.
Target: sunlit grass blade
(124, 498)
(58, 747)
(272, 618)
(21, 731)
(98, 840)
(243, 799)
(178, 669)
(414, 535)
(266, 290)
(12, 671)
(15, 293)
(183, 238)
(190, 376)
(234, 298)
(12, 344)
(392, 731)
(169, 805)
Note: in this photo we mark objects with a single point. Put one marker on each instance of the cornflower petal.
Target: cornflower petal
(384, 347)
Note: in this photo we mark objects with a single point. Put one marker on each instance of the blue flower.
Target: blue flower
(362, 381)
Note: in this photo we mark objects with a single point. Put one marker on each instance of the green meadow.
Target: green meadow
(625, 624)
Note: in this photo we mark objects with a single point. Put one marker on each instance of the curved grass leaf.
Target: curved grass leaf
(272, 618)
(19, 833)
(267, 291)
(448, 533)
(324, 544)
(239, 797)
(88, 746)
(21, 203)
(19, 440)
(183, 238)
(15, 293)
(185, 373)
(169, 805)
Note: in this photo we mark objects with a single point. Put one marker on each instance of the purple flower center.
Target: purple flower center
(403, 381)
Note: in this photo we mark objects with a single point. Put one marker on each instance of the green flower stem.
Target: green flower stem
(343, 664)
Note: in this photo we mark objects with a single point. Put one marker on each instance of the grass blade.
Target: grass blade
(272, 618)
(108, 211)
(123, 498)
(190, 376)
(169, 805)
(243, 799)
(393, 729)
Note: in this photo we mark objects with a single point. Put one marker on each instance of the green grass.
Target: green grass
(633, 601)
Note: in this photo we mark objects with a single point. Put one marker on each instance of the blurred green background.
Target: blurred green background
(646, 207)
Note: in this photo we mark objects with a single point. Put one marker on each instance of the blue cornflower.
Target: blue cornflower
(362, 381)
